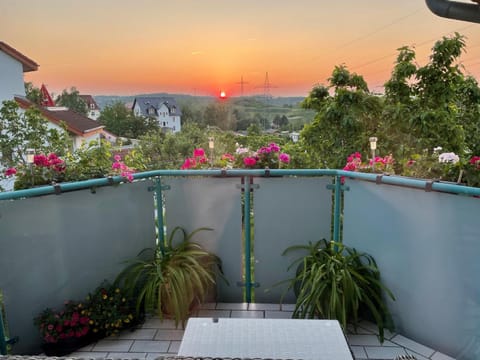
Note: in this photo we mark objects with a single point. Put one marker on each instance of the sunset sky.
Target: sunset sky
(201, 47)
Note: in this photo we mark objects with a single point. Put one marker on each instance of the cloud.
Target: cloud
(195, 53)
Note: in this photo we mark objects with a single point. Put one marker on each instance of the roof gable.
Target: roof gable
(27, 63)
(146, 102)
(76, 123)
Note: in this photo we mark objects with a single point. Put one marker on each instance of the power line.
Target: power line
(378, 29)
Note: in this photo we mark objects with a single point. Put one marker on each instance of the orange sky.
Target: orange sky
(203, 46)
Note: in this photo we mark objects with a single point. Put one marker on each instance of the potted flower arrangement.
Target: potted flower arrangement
(65, 330)
(105, 312)
(110, 310)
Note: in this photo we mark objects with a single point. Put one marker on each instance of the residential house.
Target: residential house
(164, 109)
(12, 66)
(92, 106)
(80, 128)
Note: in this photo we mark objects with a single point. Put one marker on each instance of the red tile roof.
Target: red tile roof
(27, 63)
(76, 123)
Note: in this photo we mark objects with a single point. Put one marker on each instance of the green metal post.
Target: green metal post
(336, 208)
(158, 194)
(248, 275)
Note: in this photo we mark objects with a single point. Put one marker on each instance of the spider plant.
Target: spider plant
(173, 279)
(334, 281)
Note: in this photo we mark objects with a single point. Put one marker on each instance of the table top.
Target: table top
(265, 338)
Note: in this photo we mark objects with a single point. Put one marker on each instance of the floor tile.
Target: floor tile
(214, 313)
(230, 306)
(358, 352)
(287, 307)
(89, 354)
(113, 345)
(157, 323)
(412, 345)
(154, 356)
(139, 334)
(207, 306)
(169, 334)
(278, 314)
(174, 346)
(248, 314)
(440, 356)
(127, 355)
(89, 347)
(150, 346)
(259, 306)
(383, 352)
(358, 331)
(367, 340)
(417, 356)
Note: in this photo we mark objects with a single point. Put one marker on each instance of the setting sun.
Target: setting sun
(223, 95)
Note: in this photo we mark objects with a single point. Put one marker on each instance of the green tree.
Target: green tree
(73, 101)
(431, 105)
(21, 130)
(33, 93)
(122, 122)
(159, 150)
(344, 121)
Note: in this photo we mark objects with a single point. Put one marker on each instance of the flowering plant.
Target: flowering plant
(105, 311)
(44, 170)
(119, 168)
(70, 322)
(266, 157)
(377, 165)
(435, 165)
(198, 161)
(472, 171)
(109, 310)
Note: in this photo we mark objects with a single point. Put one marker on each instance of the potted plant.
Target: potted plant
(334, 281)
(105, 312)
(172, 279)
(64, 331)
(110, 310)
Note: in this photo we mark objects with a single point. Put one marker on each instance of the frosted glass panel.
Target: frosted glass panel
(288, 211)
(215, 203)
(60, 247)
(427, 245)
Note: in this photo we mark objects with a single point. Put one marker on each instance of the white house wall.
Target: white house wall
(11, 78)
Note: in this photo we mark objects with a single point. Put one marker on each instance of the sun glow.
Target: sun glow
(223, 95)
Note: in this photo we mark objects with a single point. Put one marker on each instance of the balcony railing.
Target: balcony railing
(424, 236)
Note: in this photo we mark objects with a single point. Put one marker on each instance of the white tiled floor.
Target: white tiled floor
(156, 338)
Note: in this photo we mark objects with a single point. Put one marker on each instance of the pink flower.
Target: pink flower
(116, 166)
(249, 161)
(274, 147)
(228, 157)
(10, 171)
(40, 160)
(117, 157)
(189, 163)
(410, 162)
(198, 152)
(127, 175)
(285, 158)
(50, 327)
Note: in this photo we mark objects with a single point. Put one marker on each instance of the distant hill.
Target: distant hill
(104, 100)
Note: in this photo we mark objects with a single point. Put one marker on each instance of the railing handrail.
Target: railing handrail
(379, 178)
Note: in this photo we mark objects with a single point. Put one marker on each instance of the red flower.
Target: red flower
(10, 171)
(198, 152)
(249, 161)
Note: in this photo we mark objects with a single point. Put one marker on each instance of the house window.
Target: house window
(164, 123)
(92, 106)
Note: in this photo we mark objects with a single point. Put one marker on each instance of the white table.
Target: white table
(265, 338)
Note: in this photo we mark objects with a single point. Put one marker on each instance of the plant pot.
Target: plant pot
(67, 346)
